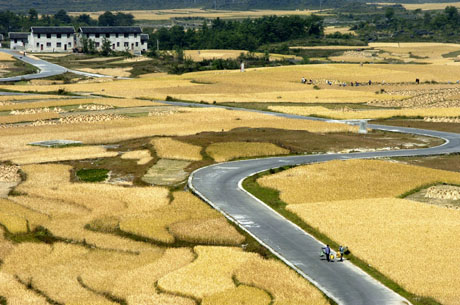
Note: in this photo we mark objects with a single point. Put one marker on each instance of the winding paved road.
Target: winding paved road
(220, 185)
(46, 69)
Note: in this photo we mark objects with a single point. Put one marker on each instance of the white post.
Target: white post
(242, 67)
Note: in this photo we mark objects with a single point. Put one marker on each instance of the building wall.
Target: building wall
(18, 45)
(51, 42)
(121, 43)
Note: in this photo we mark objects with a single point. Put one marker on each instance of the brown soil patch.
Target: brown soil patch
(444, 162)
(299, 142)
(439, 126)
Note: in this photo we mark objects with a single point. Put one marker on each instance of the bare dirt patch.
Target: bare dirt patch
(442, 195)
(167, 172)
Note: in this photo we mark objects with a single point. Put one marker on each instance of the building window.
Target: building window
(58, 35)
(58, 45)
(98, 44)
(38, 44)
(126, 44)
(15, 41)
(48, 36)
(70, 44)
(107, 35)
(97, 35)
(38, 35)
(68, 35)
(126, 35)
(137, 44)
(48, 44)
(135, 35)
(118, 44)
(116, 35)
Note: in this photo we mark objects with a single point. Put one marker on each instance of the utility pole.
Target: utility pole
(158, 45)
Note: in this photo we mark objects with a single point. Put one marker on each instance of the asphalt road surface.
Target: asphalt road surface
(46, 68)
(220, 186)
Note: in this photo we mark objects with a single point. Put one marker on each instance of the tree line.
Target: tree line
(17, 22)
(398, 24)
(248, 34)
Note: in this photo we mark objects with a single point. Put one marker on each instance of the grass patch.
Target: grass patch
(272, 198)
(451, 54)
(93, 174)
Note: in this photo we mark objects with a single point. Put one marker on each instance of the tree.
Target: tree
(84, 19)
(62, 18)
(106, 49)
(33, 15)
(107, 19)
(389, 13)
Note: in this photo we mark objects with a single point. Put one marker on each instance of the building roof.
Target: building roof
(144, 37)
(18, 35)
(52, 29)
(110, 30)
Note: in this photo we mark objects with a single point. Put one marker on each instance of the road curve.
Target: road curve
(46, 69)
(220, 186)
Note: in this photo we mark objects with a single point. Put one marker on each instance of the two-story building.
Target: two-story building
(144, 42)
(51, 39)
(122, 38)
(18, 40)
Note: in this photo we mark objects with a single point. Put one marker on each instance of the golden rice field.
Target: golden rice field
(367, 114)
(71, 273)
(44, 155)
(142, 156)
(330, 196)
(341, 30)
(278, 84)
(6, 57)
(422, 244)
(232, 150)
(172, 149)
(202, 13)
(430, 6)
(322, 182)
(199, 55)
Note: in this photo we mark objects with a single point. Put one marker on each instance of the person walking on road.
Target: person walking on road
(327, 251)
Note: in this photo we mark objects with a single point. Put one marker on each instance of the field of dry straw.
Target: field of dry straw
(137, 244)
(353, 202)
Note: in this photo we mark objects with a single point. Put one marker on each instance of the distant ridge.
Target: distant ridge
(52, 6)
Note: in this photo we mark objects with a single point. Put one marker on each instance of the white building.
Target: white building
(51, 39)
(144, 42)
(18, 40)
(122, 38)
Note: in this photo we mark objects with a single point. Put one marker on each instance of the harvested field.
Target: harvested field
(143, 156)
(352, 179)
(9, 173)
(199, 55)
(341, 30)
(17, 293)
(115, 72)
(410, 257)
(233, 150)
(443, 192)
(367, 114)
(86, 104)
(172, 149)
(18, 219)
(166, 172)
(10, 119)
(27, 97)
(37, 110)
(183, 123)
(43, 155)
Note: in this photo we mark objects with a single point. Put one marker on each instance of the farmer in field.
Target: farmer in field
(304, 80)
